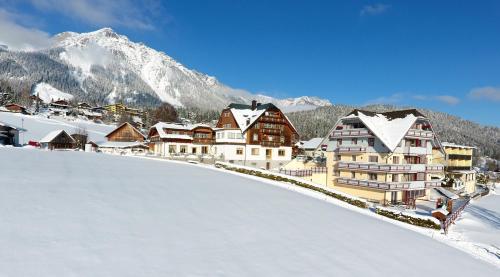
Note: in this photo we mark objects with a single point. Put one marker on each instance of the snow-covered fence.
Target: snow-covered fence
(295, 181)
(454, 215)
(303, 172)
(413, 219)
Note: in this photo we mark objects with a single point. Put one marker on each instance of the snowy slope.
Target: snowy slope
(48, 93)
(87, 214)
(38, 126)
(479, 225)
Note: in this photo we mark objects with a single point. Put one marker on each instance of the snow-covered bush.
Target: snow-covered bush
(410, 219)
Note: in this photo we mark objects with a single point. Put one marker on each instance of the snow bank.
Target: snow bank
(88, 214)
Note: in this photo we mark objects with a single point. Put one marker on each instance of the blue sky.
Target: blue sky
(443, 55)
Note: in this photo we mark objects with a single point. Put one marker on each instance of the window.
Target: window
(204, 149)
(282, 139)
(193, 150)
(354, 141)
(339, 158)
(281, 152)
(226, 114)
(183, 148)
(339, 141)
(255, 151)
(227, 126)
(353, 158)
(371, 141)
(353, 175)
(200, 135)
(239, 151)
(220, 135)
(372, 176)
(255, 137)
(172, 149)
(395, 160)
(373, 159)
(336, 173)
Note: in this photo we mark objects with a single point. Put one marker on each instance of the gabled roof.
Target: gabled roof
(451, 144)
(54, 134)
(125, 123)
(161, 126)
(389, 127)
(312, 143)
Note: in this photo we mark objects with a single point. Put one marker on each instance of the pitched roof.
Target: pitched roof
(389, 127)
(121, 144)
(125, 123)
(245, 116)
(312, 143)
(161, 126)
(451, 144)
(52, 135)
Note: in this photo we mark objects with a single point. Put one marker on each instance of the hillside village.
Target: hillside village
(391, 159)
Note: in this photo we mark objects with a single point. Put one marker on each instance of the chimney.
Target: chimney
(254, 104)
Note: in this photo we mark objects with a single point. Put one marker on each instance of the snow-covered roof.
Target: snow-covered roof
(440, 210)
(389, 127)
(161, 126)
(121, 144)
(312, 143)
(451, 144)
(12, 126)
(52, 135)
(246, 117)
(122, 126)
(447, 193)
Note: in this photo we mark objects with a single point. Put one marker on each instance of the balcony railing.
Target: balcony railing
(432, 183)
(272, 119)
(270, 144)
(374, 167)
(271, 131)
(359, 132)
(374, 184)
(347, 149)
(420, 133)
(434, 168)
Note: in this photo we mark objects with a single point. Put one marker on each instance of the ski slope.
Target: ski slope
(38, 126)
(90, 214)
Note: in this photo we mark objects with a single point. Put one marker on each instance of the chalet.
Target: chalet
(9, 134)
(459, 167)
(91, 146)
(384, 157)
(258, 135)
(57, 140)
(169, 139)
(15, 108)
(125, 139)
(59, 107)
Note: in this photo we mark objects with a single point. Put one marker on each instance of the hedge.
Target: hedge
(357, 203)
(409, 219)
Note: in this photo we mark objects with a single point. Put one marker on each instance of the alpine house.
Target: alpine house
(258, 135)
(383, 157)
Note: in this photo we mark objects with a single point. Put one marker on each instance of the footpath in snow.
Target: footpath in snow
(89, 214)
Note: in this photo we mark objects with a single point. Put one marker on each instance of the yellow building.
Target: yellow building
(459, 167)
(384, 157)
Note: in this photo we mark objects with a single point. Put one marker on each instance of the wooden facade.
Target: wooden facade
(62, 141)
(271, 129)
(125, 132)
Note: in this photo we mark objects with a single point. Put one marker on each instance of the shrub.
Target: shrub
(409, 219)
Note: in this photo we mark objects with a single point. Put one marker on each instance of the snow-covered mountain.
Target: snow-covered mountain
(104, 66)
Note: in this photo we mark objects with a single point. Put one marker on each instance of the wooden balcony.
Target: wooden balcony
(346, 149)
(359, 132)
(374, 167)
(434, 168)
(374, 184)
(270, 144)
(415, 133)
(271, 131)
(271, 119)
(203, 141)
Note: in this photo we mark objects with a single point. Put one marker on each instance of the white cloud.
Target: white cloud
(448, 99)
(392, 99)
(19, 37)
(487, 93)
(404, 98)
(374, 9)
(124, 13)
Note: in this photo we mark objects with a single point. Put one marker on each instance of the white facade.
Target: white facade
(254, 155)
